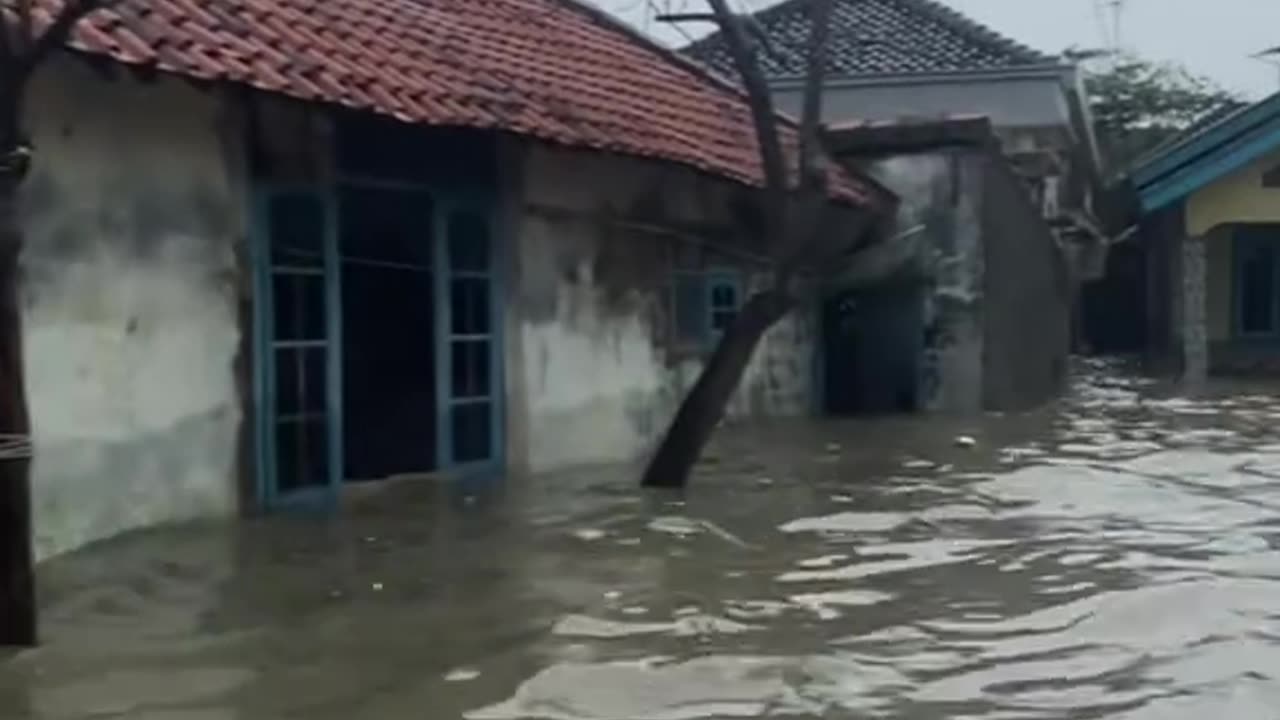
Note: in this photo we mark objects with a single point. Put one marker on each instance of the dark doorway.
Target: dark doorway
(1114, 308)
(1257, 280)
(873, 346)
(389, 332)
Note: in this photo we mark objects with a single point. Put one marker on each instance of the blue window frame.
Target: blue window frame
(706, 302)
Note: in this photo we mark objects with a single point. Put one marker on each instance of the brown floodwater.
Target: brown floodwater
(1114, 556)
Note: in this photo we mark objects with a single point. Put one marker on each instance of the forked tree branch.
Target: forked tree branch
(56, 35)
(813, 171)
(762, 111)
(22, 48)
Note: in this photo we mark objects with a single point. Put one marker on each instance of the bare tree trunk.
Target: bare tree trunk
(17, 584)
(790, 235)
(704, 406)
(22, 51)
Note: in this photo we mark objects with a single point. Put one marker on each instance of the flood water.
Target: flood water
(1115, 556)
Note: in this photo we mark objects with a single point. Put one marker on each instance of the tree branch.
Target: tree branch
(762, 111)
(6, 50)
(813, 172)
(56, 35)
(26, 21)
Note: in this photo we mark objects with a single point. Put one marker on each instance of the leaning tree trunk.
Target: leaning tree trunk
(705, 404)
(17, 581)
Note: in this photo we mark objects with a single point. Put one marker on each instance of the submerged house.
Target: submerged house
(989, 145)
(976, 314)
(273, 247)
(1209, 233)
(919, 60)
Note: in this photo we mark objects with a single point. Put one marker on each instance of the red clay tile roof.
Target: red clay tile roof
(549, 69)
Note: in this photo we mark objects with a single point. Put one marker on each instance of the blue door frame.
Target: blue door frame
(468, 336)
(482, 390)
(272, 265)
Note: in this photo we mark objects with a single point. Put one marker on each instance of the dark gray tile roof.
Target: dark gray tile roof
(871, 37)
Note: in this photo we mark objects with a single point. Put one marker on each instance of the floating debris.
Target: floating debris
(462, 675)
(966, 441)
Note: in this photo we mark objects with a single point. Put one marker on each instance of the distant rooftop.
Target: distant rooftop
(878, 37)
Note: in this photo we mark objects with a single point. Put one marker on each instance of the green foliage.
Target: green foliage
(1138, 105)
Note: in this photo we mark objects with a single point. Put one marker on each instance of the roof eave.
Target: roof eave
(1190, 150)
(1236, 153)
(1054, 71)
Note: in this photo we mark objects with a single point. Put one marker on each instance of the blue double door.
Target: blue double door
(307, 240)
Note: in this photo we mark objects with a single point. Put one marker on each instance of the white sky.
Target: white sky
(1214, 38)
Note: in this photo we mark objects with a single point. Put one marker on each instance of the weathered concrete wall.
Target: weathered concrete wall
(1028, 292)
(594, 374)
(995, 289)
(939, 199)
(131, 215)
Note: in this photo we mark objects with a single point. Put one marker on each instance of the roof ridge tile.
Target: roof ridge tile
(590, 83)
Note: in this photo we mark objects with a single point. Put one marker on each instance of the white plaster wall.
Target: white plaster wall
(130, 312)
(599, 379)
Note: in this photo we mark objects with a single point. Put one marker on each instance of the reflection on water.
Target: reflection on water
(1116, 556)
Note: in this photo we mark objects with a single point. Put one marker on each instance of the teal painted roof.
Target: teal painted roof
(1210, 150)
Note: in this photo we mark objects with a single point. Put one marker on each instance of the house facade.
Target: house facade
(271, 252)
(919, 60)
(977, 314)
(1209, 230)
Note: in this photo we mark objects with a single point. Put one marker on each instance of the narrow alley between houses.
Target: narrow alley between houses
(1114, 556)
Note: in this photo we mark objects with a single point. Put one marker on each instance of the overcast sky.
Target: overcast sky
(1210, 37)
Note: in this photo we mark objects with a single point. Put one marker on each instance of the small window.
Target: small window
(724, 303)
(705, 305)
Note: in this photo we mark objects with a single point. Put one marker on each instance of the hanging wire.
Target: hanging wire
(653, 6)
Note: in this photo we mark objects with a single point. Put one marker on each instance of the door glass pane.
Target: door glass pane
(296, 227)
(301, 381)
(468, 242)
(299, 306)
(302, 454)
(469, 363)
(469, 306)
(472, 432)
(1258, 290)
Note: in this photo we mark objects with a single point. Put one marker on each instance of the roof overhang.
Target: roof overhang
(909, 135)
(1223, 148)
(1054, 71)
